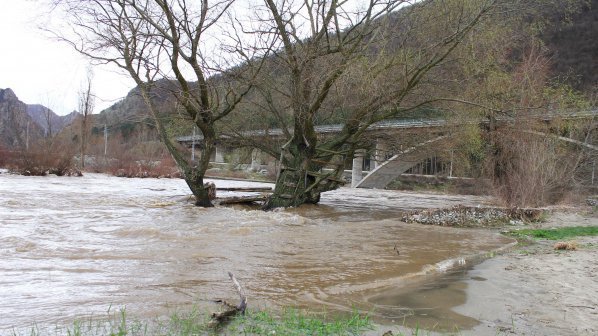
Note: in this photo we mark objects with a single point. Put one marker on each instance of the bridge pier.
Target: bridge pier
(219, 154)
(380, 152)
(256, 160)
(357, 169)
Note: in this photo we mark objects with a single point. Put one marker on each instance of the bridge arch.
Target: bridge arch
(385, 173)
(388, 171)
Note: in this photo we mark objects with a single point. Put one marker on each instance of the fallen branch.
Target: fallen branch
(240, 199)
(219, 318)
(243, 299)
(247, 189)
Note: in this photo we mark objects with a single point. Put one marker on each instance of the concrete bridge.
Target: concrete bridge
(395, 146)
(379, 133)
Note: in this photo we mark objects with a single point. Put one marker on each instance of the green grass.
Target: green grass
(558, 234)
(296, 323)
(194, 323)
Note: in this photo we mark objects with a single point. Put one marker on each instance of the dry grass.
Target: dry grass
(568, 245)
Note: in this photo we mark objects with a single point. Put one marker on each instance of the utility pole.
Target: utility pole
(105, 140)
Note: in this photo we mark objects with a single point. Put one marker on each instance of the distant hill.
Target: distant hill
(132, 108)
(124, 129)
(21, 123)
(17, 128)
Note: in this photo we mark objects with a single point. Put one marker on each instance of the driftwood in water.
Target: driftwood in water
(231, 310)
(247, 189)
(241, 199)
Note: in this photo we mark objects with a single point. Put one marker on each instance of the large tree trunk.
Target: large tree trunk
(301, 180)
(193, 174)
(295, 177)
(195, 180)
(199, 190)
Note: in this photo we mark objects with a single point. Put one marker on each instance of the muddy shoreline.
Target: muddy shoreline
(535, 290)
(530, 289)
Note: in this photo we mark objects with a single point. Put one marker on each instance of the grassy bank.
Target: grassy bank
(290, 322)
(557, 233)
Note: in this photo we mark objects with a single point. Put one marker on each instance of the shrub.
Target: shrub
(43, 159)
(530, 170)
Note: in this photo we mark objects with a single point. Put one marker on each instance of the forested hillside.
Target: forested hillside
(572, 42)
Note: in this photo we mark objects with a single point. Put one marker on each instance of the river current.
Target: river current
(76, 246)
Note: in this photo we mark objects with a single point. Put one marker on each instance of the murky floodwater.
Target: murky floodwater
(77, 246)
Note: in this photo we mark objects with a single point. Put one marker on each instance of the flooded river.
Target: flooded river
(71, 247)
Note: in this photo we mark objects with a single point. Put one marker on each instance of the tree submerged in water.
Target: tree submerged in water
(157, 39)
(355, 64)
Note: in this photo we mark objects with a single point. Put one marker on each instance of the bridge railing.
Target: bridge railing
(409, 123)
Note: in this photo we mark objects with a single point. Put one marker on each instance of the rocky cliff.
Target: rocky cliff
(49, 121)
(17, 128)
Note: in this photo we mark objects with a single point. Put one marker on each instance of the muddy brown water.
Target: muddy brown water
(74, 247)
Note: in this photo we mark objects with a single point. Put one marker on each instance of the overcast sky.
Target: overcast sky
(42, 71)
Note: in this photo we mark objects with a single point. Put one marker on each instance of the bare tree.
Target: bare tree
(513, 85)
(174, 40)
(86, 105)
(354, 62)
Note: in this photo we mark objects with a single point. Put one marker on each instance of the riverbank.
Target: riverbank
(534, 289)
(537, 290)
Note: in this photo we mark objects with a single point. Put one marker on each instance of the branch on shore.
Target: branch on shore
(222, 317)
